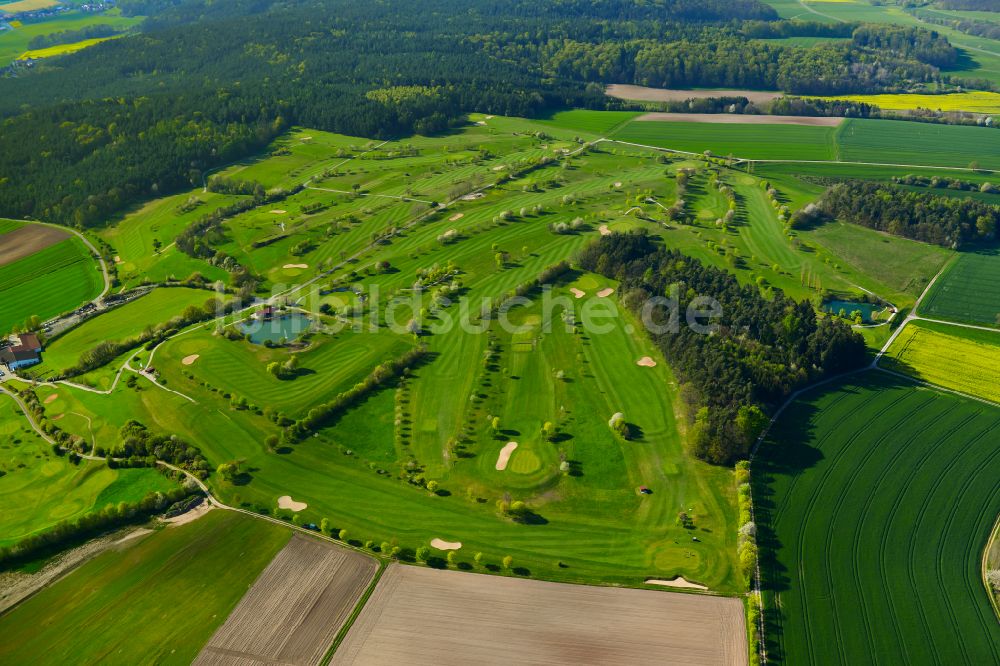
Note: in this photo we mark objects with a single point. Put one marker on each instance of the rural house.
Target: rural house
(21, 351)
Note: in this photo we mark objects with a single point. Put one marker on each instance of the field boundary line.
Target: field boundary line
(994, 536)
(359, 606)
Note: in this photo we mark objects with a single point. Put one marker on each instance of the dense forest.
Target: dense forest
(972, 5)
(206, 83)
(943, 220)
(760, 351)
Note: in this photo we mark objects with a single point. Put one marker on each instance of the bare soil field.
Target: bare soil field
(644, 94)
(740, 119)
(429, 616)
(27, 240)
(295, 608)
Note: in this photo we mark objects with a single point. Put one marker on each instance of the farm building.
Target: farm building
(265, 314)
(21, 351)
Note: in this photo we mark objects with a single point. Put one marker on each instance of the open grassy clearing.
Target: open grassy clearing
(121, 323)
(875, 500)
(967, 291)
(48, 283)
(39, 489)
(158, 598)
(956, 358)
(454, 617)
(295, 608)
(903, 266)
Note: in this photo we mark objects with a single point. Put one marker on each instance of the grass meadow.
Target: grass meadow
(966, 291)
(875, 500)
(160, 596)
(13, 43)
(47, 283)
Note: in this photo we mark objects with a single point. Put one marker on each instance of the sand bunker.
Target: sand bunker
(499, 168)
(646, 362)
(604, 293)
(52, 398)
(296, 266)
(618, 184)
(504, 456)
(604, 230)
(118, 259)
(286, 502)
(278, 211)
(189, 516)
(676, 582)
(57, 417)
(456, 216)
(446, 545)
(577, 293)
(473, 196)
(481, 122)
(188, 360)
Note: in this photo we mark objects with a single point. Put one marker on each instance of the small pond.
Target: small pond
(868, 310)
(280, 327)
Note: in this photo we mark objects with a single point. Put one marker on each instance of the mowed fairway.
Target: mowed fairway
(154, 600)
(956, 358)
(875, 499)
(426, 616)
(967, 290)
(39, 489)
(295, 609)
(48, 282)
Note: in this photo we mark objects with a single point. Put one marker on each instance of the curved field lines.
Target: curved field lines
(875, 501)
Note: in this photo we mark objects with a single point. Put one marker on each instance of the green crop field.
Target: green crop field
(961, 359)
(896, 142)
(39, 489)
(966, 291)
(598, 123)
(748, 141)
(875, 501)
(160, 596)
(47, 283)
(121, 323)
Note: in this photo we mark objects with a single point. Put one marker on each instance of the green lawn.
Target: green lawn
(48, 283)
(157, 599)
(39, 489)
(956, 358)
(967, 290)
(875, 501)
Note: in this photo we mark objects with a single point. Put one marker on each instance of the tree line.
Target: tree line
(924, 216)
(759, 352)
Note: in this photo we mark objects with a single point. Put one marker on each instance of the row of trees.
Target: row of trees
(924, 216)
(755, 353)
